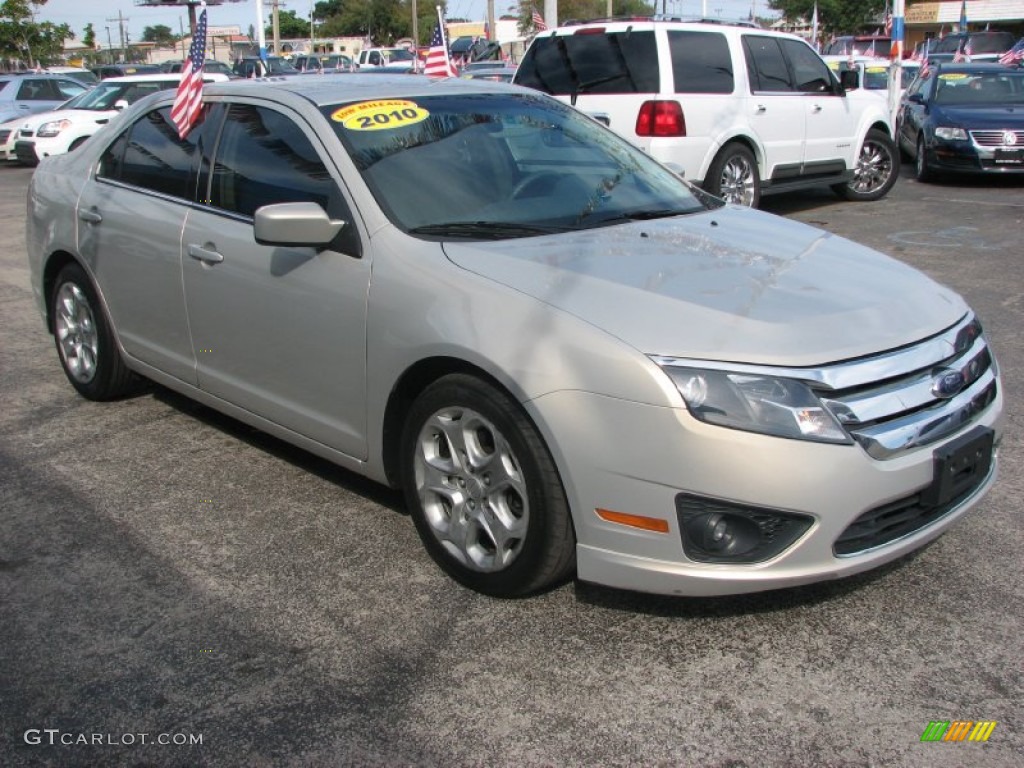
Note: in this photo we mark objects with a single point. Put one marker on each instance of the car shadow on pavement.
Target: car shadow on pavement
(308, 462)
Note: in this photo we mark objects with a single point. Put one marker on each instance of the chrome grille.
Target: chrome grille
(997, 138)
(916, 396)
(5, 134)
(26, 134)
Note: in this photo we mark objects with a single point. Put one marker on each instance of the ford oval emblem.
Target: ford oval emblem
(947, 383)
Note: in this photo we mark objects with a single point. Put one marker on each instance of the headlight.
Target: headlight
(756, 403)
(950, 133)
(51, 129)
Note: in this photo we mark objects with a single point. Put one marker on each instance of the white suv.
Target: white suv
(55, 133)
(742, 111)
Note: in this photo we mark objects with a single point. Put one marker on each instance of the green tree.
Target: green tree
(89, 36)
(160, 34)
(290, 25)
(835, 17)
(21, 37)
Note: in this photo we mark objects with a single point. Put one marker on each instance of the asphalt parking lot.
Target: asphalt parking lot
(170, 575)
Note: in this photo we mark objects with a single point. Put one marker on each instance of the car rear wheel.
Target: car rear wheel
(877, 167)
(733, 176)
(921, 170)
(483, 490)
(85, 341)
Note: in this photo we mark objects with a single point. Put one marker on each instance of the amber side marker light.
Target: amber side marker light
(634, 521)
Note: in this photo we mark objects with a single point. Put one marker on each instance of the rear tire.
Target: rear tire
(483, 490)
(85, 340)
(733, 176)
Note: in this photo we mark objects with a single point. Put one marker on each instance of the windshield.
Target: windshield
(980, 88)
(105, 96)
(401, 54)
(492, 166)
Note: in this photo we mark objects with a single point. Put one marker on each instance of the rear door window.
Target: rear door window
(618, 62)
(766, 64)
(700, 62)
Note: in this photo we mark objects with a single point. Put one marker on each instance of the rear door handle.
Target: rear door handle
(205, 255)
(816, 108)
(90, 217)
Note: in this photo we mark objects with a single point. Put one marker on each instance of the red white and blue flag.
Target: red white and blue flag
(438, 63)
(1015, 55)
(539, 24)
(188, 102)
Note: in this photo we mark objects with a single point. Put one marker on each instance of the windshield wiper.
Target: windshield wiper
(490, 230)
(643, 215)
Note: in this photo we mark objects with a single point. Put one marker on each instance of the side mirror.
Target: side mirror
(121, 104)
(294, 224)
(848, 79)
(915, 98)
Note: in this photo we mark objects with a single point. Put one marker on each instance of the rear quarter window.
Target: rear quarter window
(700, 62)
(620, 62)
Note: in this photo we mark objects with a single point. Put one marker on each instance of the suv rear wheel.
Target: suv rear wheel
(733, 176)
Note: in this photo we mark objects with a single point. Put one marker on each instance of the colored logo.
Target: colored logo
(958, 730)
(947, 383)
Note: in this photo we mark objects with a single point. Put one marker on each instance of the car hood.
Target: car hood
(78, 116)
(996, 116)
(731, 285)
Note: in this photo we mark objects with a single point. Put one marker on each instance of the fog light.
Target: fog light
(716, 531)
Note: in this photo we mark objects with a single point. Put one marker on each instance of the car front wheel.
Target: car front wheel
(733, 176)
(483, 490)
(85, 341)
(877, 167)
(921, 170)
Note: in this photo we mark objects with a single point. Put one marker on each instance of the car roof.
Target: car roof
(974, 68)
(355, 87)
(43, 75)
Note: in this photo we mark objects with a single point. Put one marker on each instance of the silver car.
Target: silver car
(571, 361)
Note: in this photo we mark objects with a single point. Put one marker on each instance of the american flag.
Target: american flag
(438, 64)
(538, 21)
(1015, 55)
(188, 102)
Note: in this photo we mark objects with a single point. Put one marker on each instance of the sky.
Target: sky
(104, 13)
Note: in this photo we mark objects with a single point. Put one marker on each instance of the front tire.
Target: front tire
(733, 176)
(483, 490)
(878, 165)
(922, 172)
(85, 340)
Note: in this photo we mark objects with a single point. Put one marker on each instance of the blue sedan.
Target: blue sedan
(964, 118)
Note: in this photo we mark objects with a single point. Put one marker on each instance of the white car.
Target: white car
(873, 74)
(63, 130)
(741, 111)
(8, 131)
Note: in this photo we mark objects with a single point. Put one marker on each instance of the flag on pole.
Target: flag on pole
(188, 101)
(963, 16)
(539, 25)
(438, 64)
(1015, 55)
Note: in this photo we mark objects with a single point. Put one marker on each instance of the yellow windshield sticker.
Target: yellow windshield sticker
(380, 115)
(833, 65)
(953, 76)
(876, 70)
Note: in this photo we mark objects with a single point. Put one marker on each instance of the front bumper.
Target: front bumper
(636, 459)
(967, 157)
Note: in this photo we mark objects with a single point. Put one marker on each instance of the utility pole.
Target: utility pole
(277, 28)
(492, 33)
(110, 48)
(120, 23)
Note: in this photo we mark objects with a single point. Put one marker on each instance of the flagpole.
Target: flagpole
(261, 33)
(896, 68)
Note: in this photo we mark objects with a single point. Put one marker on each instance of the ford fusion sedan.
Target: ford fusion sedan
(964, 118)
(572, 361)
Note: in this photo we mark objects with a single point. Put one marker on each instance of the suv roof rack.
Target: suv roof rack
(660, 17)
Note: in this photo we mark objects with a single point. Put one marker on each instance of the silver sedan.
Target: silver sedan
(570, 360)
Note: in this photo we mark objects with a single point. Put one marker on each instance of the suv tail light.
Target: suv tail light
(660, 118)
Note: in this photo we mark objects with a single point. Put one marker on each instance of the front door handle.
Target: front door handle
(205, 255)
(816, 108)
(761, 109)
(90, 217)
